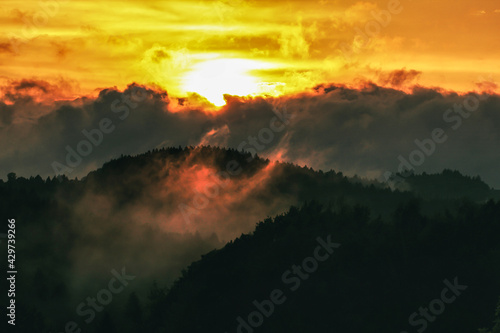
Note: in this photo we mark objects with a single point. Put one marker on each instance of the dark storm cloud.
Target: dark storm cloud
(31, 89)
(6, 112)
(364, 131)
(355, 130)
(43, 86)
(399, 77)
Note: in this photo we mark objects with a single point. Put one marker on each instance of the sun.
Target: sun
(214, 78)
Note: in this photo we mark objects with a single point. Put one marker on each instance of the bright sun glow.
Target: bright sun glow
(214, 78)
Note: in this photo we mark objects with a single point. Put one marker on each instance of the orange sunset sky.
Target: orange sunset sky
(247, 47)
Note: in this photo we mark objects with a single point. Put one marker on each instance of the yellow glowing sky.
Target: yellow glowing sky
(245, 47)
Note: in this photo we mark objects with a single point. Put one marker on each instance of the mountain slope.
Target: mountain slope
(373, 281)
(155, 213)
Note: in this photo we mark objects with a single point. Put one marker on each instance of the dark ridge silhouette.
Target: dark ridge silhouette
(397, 245)
(450, 184)
(376, 279)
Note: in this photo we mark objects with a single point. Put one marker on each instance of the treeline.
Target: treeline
(382, 273)
(397, 247)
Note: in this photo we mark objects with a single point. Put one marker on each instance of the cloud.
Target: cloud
(479, 12)
(6, 112)
(357, 130)
(295, 40)
(35, 89)
(398, 78)
(487, 86)
(216, 137)
(6, 48)
(23, 102)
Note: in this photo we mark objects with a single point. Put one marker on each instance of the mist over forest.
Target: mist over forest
(172, 218)
(248, 166)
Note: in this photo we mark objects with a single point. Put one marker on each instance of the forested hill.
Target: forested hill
(156, 213)
(317, 269)
(129, 178)
(448, 184)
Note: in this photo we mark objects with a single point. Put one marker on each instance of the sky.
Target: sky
(246, 47)
(363, 80)
(365, 88)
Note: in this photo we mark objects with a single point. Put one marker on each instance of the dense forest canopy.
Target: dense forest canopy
(198, 259)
